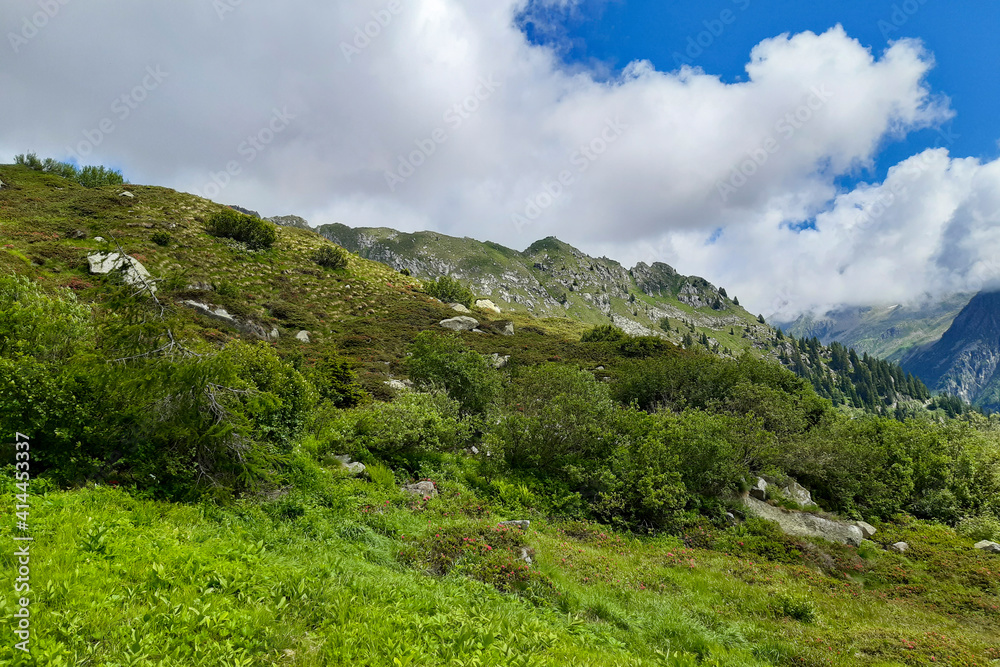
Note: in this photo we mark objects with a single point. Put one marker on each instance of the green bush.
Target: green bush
(603, 333)
(414, 424)
(982, 527)
(337, 382)
(555, 420)
(450, 290)
(47, 327)
(160, 238)
(90, 177)
(257, 234)
(331, 257)
(279, 398)
(444, 361)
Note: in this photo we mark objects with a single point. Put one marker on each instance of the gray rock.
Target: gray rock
(499, 361)
(759, 489)
(133, 272)
(792, 490)
(523, 524)
(127, 195)
(866, 528)
(99, 239)
(214, 312)
(302, 336)
(474, 450)
(486, 304)
(459, 308)
(508, 330)
(343, 458)
(356, 468)
(1, 184)
(526, 555)
(78, 234)
(289, 221)
(804, 524)
(200, 286)
(460, 323)
(987, 547)
(423, 489)
(899, 547)
(222, 315)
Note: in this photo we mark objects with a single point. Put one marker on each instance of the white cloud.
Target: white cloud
(650, 162)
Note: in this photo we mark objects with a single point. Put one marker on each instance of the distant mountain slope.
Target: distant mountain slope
(887, 332)
(964, 360)
(553, 279)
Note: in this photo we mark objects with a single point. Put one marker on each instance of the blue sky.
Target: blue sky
(961, 34)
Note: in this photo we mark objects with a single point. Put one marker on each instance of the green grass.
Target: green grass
(345, 571)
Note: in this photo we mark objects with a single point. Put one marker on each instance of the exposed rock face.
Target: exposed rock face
(899, 547)
(759, 489)
(498, 360)
(133, 272)
(508, 330)
(290, 221)
(222, 315)
(486, 304)
(792, 490)
(127, 195)
(424, 489)
(987, 547)
(353, 467)
(460, 323)
(966, 360)
(866, 529)
(459, 308)
(302, 336)
(804, 524)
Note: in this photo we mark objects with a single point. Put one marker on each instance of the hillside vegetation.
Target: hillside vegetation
(190, 505)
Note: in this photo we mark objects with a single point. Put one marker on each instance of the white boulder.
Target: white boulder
(486, 304)
(460, 323)
(133, 272)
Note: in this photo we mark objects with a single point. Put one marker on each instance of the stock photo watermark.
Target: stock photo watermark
(35, 23)
(900, 16)
(454, 117)
(121, 108)
(784, 130)
(700, 42)
(248, 150)
(364, 35)
(582, 158)
(22, 544)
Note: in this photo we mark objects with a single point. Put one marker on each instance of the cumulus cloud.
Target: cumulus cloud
(440, 114)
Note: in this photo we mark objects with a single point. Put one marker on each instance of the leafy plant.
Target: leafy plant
(450, 290)
(330, 257)
(257, 234)
(160, 238)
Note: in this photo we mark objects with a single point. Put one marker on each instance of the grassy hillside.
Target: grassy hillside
(347, 572)
(188, 503)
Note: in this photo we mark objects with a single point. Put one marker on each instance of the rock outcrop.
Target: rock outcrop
(486, 304)
(245, 326)
(804, 524)
(987, 546)
(460, 323)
